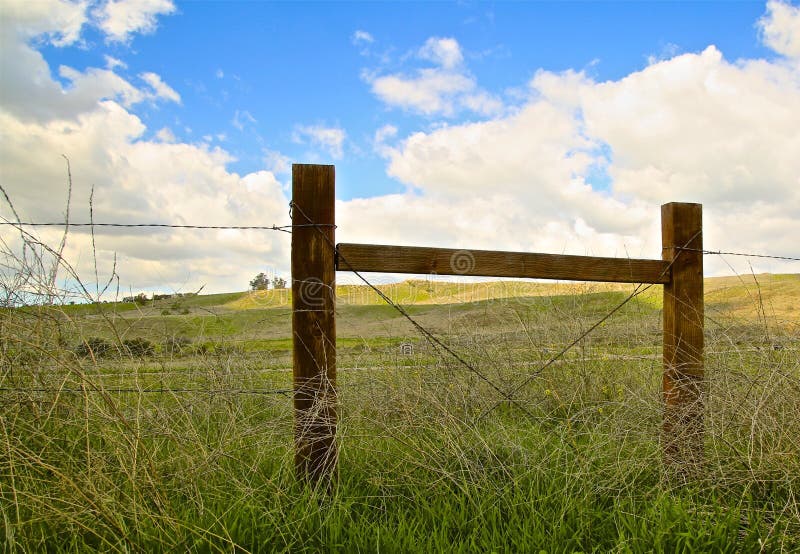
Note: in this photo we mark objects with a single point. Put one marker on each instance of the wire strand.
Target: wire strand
(284, 228)
(749, 255)
(425, 332)
(148, 390)
(636, 292)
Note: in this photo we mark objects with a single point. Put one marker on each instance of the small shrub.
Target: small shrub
(138, 347)
(96, 346)
(185, 311)
(165, 312)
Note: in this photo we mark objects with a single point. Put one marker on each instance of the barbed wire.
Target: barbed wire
(286, 229)
(429, 336)
(283, 228)
(640, 288)
(745, 254)
(160, 390)
(636, 292)
(425, 332)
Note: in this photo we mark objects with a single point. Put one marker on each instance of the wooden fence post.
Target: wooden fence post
(683, 428)
(313, 321)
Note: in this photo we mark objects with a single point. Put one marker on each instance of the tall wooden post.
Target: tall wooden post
(682, 241)
(313, 321)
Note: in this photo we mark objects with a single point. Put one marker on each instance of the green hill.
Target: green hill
(773, 296)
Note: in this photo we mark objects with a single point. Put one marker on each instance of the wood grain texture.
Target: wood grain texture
(485, 263)
(313, 321)
(682, 227)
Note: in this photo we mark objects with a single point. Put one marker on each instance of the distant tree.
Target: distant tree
(260, 282)
(278, 283)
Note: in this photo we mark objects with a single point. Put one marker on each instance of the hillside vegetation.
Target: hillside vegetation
(168, 425)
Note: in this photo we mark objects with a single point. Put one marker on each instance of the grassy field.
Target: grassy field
(166, 426)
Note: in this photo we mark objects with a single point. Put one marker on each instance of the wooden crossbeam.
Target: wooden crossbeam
(490, 263)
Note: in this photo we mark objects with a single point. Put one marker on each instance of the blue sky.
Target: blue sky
(288, 64)
(558, 126)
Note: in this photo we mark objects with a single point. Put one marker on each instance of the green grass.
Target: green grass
(85, 469)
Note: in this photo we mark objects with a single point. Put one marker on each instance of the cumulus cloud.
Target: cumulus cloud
(444, 89)
(59, 22)
(136, 180)
(445, 52)
(690, 127)
(430, 91)
(780, 28)
(503, 183)
(160, 88)
(113, 63)
(362, 37)
(120, 19)
(693, 127)
(90, 119)
(165, 134)
(380, 138)
(27, 88)
(331, 139)
(697, 126)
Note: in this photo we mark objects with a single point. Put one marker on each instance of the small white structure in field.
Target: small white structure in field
(407, 349)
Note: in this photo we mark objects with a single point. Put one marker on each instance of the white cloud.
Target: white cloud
(119, 19)
(669, 50)
(59, 21)
(137, 180)
(511, 184)
(691, 128)
(445, 52)
(379, 140)
(112, 63)
(27, 87)
(430, 92)
(385, 132)
(699, 127)
(160, 88)
(276, 162)
(483, 103)
(242, 118)
(88, 87)
(329, 138)
(362, 37)
(134, 179)
(165, 134)
(441, 90)
(780, 28)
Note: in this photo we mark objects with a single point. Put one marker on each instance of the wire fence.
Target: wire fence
(490, 398)
(134, 390)
(283, 228)
(437, 343)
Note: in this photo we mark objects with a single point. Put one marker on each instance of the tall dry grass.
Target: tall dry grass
(432, 457)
